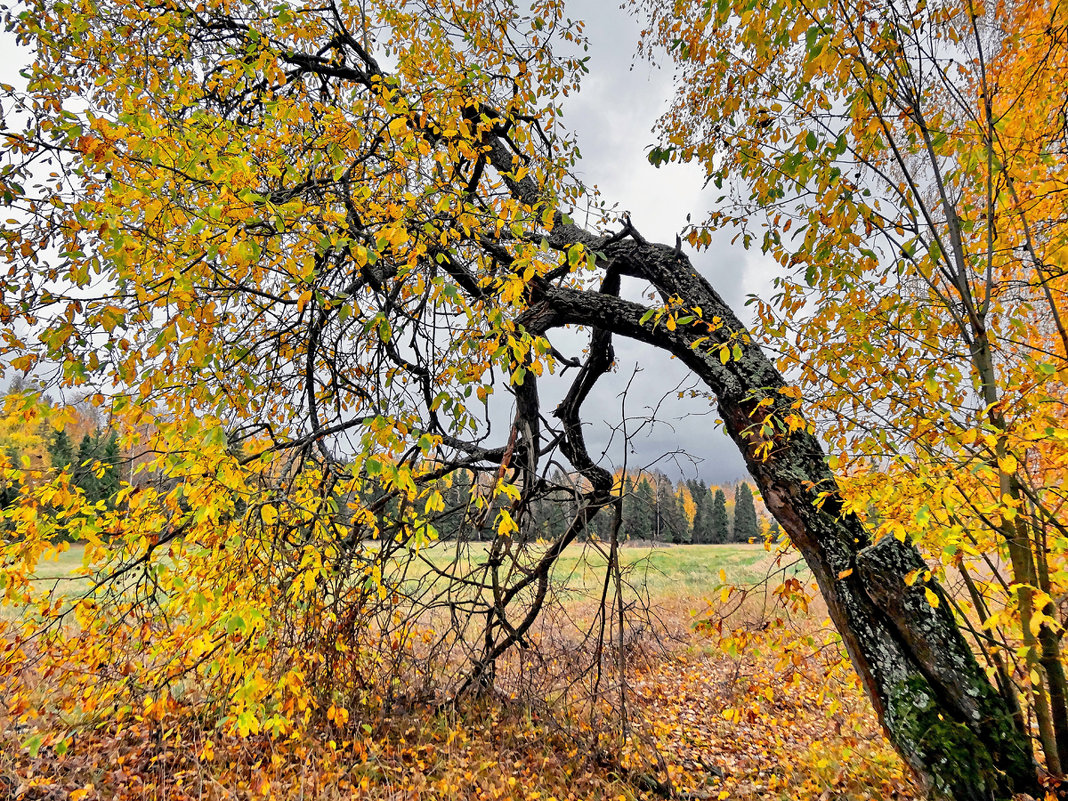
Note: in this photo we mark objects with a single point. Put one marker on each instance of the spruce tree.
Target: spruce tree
(702, 518)
(672, 523)
(552, 511)
(108, 484)
(83, 468)
(720, 533)
(645, 511)
(774, 530)
(60, 450)
(9, 488)
(457, 498)
(628, 513)
(746, 526)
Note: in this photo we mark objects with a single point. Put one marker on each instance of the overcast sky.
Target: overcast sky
(613, 117)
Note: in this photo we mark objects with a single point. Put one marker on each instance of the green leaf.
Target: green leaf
(215, 437)
(33, 745)
(811, 141)
(660, 155)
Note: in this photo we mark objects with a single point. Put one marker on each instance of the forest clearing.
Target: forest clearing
(357, 440)
(721, 723)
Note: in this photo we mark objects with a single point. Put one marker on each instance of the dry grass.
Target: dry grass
(715, 724)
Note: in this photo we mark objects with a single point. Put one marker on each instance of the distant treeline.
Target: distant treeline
(94, 464)
(654, 508)
(40, 435)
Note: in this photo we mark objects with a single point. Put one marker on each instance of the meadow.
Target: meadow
(662, 568)
(658, 572)
(780, 718)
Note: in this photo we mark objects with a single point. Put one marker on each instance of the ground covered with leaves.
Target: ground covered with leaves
(703, 723)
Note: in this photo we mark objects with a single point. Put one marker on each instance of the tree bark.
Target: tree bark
(934, 701)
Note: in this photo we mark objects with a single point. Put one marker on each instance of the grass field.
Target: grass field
(717, 722)
(673, 571)
(63, 565)
(664, 575)
(663, 571)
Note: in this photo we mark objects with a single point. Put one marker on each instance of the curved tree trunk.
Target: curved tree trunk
(933, 699)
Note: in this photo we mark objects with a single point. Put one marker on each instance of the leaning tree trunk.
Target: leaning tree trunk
(934, 701)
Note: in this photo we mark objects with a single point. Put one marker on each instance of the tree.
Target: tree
(644, 518)
(9, 490)
(111, 460)
(746, 528)
(918, 163)
(458, 503)
(60, 450)
(555, 510)
(84, 475)
(688, 508)
(312, 253)
(95, 466)
(774, 532)
(702, 521)
(627, 506)
(720, 527)
(671, 519)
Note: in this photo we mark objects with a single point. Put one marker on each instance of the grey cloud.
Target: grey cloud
(613, 118)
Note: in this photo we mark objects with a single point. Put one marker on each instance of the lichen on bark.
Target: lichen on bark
(956, 763)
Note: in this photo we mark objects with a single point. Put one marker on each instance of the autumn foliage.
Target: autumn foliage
(306, 258)
(904, 165)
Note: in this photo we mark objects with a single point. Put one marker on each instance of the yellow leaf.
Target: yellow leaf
(505, 524)
(268, 514)
(1008, 463)
(932, 597)
(435, 503)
